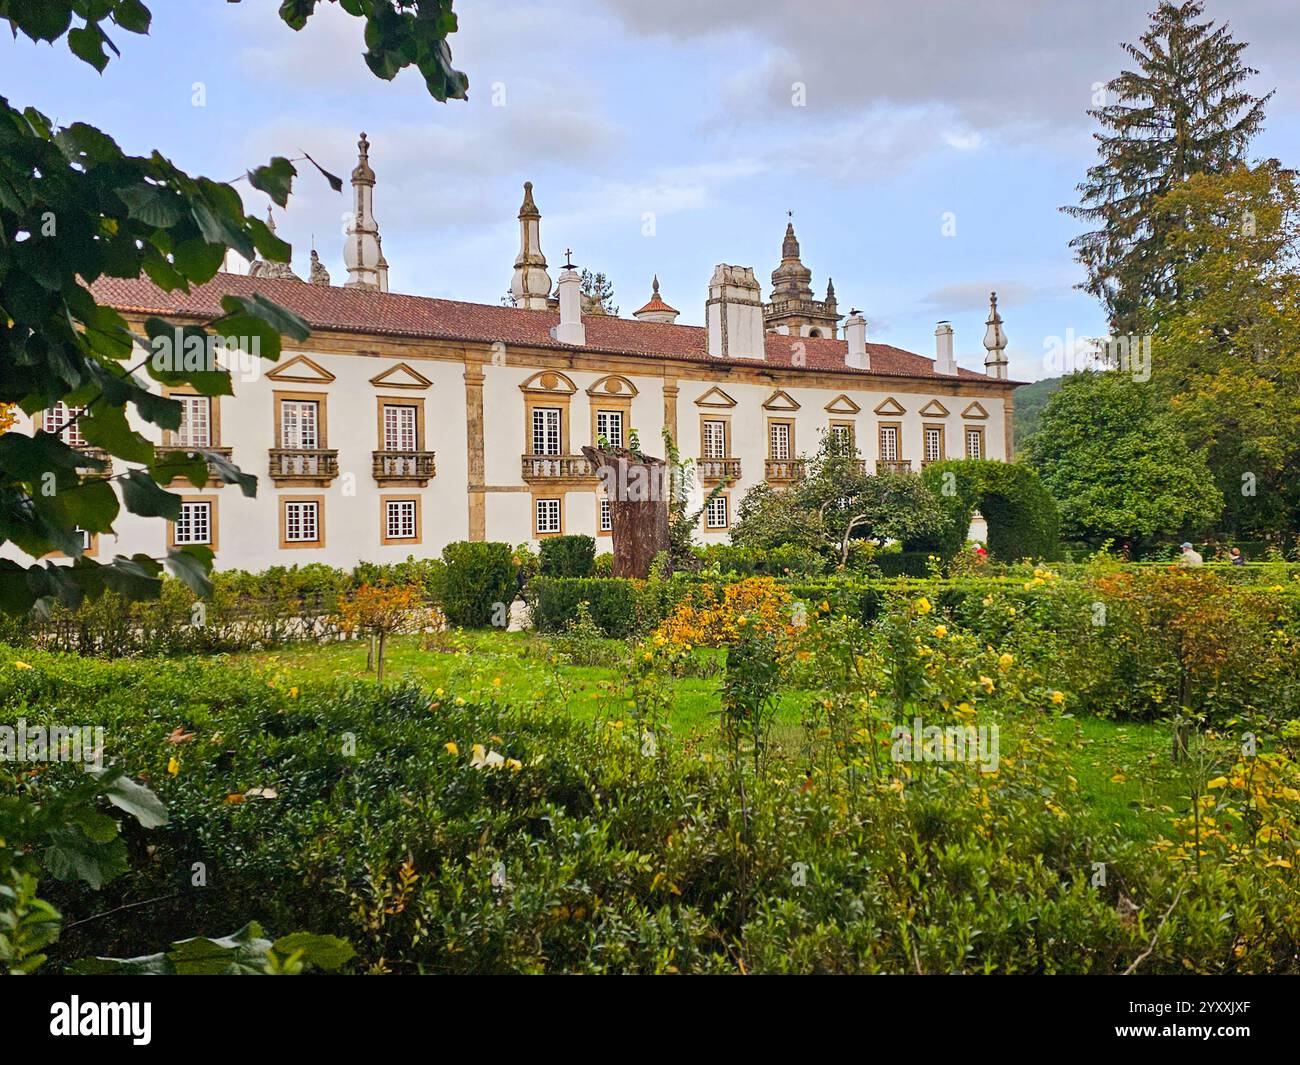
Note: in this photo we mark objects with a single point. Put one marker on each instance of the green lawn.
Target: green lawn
(1123, 769)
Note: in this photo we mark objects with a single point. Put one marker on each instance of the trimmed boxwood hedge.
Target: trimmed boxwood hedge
(612, 601)
(478, 580)
(567, 556)
(1022, 517)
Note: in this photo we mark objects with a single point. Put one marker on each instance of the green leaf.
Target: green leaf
(275, 179)
(325, 952)
(191, 565)
(152, 205)
(133, 798)
(143, 496)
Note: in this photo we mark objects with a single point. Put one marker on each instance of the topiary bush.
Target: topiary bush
(567, 556)
(478, 583)
(1022, 517)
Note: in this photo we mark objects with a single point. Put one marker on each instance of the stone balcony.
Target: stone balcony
(309, 466)
(712, 471)
(404, 467)
(893, 465)
(783, 471)
(554, 468)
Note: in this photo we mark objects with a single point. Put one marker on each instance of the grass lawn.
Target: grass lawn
(1123, 769)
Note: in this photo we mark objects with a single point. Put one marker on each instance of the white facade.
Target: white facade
(404, 423)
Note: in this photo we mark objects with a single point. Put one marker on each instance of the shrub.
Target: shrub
(478, 584)
(611, 603)
(567, 556)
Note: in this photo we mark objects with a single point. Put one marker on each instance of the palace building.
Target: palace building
(405, 422)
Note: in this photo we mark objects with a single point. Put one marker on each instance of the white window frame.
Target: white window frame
(932, 432)
(715, 513)
(609, 424)
(58, 415)
(551, 523)
(976, 435)
(605, 515)
(713, 443)
(888, 437)
(296, 512)
(189, 528)
(547, 437)
(300, 424)
(779, 441)
(195, 429)
(401, 519)
(401, 427)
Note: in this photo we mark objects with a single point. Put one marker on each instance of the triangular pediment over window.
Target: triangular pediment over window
(400, 376)
(934, 409)
(715, 397)
(975, 410)
(841, 404)
(891, 406)
(301, 368)
(780, 400)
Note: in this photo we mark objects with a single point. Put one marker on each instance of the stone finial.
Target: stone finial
(260, 267)
(531, 284)
(995, 342)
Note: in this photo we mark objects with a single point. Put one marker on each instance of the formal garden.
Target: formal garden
(761, 762)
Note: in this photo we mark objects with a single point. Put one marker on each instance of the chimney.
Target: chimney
(734, 314)
(855, 332)
(570, 330)
(944, 362)
(995, 342)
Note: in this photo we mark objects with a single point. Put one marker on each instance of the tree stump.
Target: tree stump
(638, 491)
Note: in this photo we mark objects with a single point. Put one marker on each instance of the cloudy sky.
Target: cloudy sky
(923, 148)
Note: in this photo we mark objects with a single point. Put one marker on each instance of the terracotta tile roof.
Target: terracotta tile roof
(335, 308)
(656, 304)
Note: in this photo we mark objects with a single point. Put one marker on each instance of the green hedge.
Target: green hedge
(1022, 517)
(478, 584)
(567, 556)
(612, 601)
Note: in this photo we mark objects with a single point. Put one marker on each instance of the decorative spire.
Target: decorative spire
(362, 251)
(656, 310)
(790, 246)
(995, 342)
(830, 294)
(531, 284)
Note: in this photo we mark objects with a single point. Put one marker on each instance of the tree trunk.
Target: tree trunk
(638, 492)
(379, 665)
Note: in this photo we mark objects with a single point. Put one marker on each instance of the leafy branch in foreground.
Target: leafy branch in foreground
(74, 209)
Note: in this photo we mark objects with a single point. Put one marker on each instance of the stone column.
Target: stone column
(474, 377)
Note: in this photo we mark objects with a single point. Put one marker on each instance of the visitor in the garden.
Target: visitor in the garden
(1237, 558)
(1191, 557)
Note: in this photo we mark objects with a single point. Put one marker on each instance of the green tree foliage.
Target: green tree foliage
(478, 584)
(1182, 111)
(836, 502)
(1021, 515)
(1115, 459)
(75, 208)
(1226, 353)
(597, 293)
(567, 556)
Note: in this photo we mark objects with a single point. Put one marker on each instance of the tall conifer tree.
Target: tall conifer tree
(1183, 111)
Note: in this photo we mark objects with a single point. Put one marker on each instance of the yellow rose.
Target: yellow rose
(923, 605)
(1004, 661)
(1058, 698)
(451, 747)
(941, 631)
